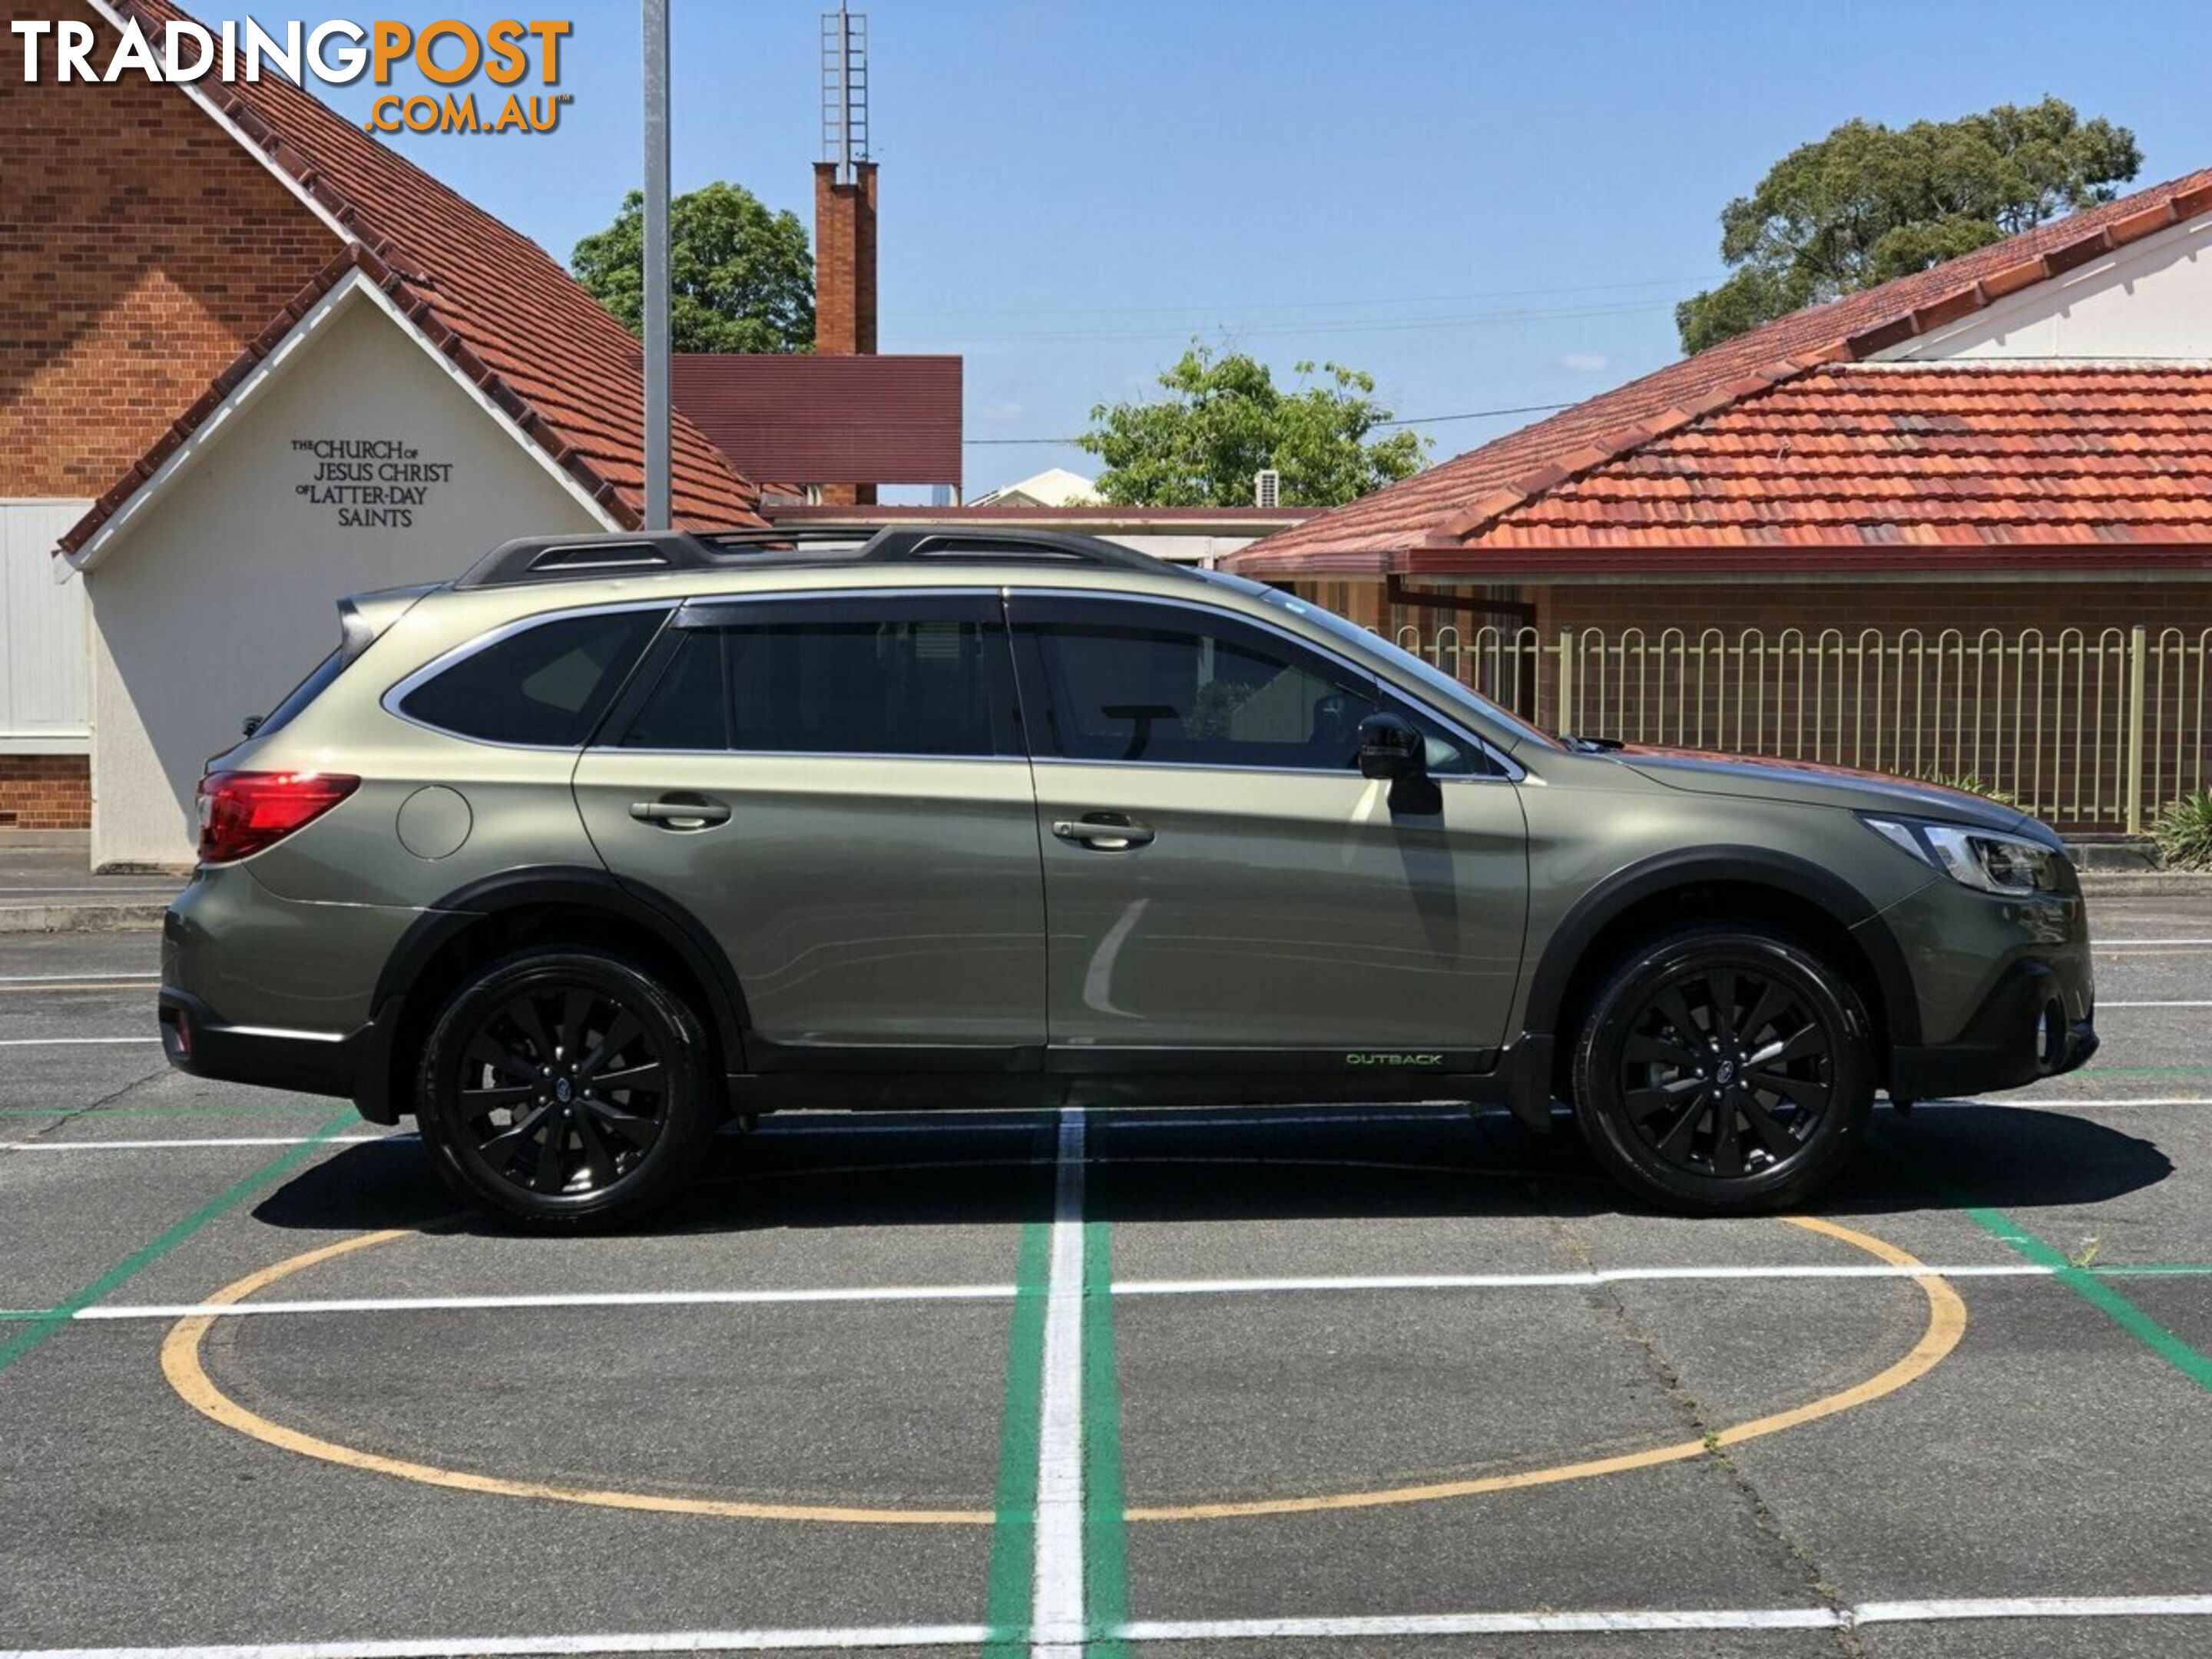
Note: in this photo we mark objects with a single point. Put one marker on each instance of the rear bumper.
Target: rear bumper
(277, 993)
(2033, 1025)
(199, 1041)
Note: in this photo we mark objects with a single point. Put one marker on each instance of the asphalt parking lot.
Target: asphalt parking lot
(1223, 1383)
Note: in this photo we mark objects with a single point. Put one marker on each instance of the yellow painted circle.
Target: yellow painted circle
(181, 1363)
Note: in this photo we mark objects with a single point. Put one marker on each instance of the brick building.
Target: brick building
(2019, 439)
(250, 360)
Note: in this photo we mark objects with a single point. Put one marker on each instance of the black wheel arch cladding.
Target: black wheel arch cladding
(1792, 880)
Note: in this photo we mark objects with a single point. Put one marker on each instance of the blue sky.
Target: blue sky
(1482, 205)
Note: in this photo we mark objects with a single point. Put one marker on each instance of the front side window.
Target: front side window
(544, 686)
(1157, 684)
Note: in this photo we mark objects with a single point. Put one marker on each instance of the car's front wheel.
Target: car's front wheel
(1724, 1069)
(566, 1087)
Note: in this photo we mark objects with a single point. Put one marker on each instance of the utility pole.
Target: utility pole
(657, 511)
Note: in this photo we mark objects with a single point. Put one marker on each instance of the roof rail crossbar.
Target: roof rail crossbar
(559, 558)
(919, 544)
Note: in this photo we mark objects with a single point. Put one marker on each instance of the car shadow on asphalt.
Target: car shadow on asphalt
(901, 1170)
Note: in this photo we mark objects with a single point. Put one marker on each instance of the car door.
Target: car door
(835, 787)
(1218, 874)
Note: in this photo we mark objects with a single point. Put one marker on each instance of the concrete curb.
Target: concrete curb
(113, 918)
(2146, 884)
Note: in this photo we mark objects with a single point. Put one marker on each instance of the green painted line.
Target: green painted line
(2084, 1282)
(1010, 1591)
(45, 1323)
(1105, 1547)
(2197, 1367)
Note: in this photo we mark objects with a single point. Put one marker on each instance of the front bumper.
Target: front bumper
(2033, 1025)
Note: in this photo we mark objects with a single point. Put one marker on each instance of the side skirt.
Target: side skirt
(955, 1077)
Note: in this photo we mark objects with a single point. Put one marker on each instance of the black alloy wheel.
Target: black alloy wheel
(565, 1086)
(1724, 1069)
(562, 1090)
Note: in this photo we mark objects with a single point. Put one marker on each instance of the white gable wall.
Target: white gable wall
(222, 593)
(2151, 301)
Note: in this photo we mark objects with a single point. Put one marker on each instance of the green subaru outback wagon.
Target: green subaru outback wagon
(615, 838)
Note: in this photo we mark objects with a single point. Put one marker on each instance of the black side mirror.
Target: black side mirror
(250, 723)
(1390, 747)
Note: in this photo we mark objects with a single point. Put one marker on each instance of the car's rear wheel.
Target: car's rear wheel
(567, 1088)
(1724, 1069)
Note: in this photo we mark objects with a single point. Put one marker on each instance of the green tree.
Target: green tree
(1224, 419)
(740, 277)
(1869, 203)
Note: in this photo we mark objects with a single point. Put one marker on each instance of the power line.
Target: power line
(1524, 318)
(1189, 308)
(1408, 420)
(1475, 415)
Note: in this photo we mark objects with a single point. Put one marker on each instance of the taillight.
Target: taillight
(243, 812)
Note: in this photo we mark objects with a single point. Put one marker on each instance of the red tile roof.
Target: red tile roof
(1878, 458)
(491, 300)
(1443, 510)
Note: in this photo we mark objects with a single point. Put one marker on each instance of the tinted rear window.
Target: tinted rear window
(546, 686)
(870, 688)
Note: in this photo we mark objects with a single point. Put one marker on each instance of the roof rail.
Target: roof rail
(569, 558)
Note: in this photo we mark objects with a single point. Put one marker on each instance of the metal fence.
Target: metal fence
(2090, 729)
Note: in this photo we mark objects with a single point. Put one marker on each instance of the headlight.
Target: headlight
(1982, 859)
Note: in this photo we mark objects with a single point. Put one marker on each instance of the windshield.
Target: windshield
(1427, 675)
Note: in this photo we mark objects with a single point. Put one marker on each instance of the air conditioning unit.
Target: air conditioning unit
(1267, 488)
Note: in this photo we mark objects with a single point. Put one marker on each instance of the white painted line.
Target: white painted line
(88, 976)
(1510, 1623)
(1056, 1620)
(2103, 1007)
(522, 1647)
(1562, 1280)
(102, 892)
(892, 1293)
(2076, 1100)
(2035, 1606)
(552, 1299)
(206, 1140)
(1482, 1624)
(1620, 1622)
(2126, 944)
(68, 1042)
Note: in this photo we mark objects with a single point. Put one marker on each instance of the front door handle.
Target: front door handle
(684, 811)
(1104, 832)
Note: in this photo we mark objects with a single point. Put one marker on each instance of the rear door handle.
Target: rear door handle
(680, 812)
(1104, 832)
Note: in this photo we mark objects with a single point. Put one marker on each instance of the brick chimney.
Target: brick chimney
(845, 282)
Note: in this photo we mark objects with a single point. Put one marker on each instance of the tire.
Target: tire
(566, 1087)
(1724, 1071)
